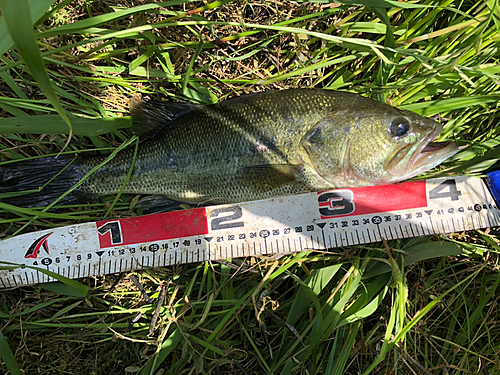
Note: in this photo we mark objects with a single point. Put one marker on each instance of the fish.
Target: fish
(251, 147)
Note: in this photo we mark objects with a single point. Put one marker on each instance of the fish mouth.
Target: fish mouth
(415, 159)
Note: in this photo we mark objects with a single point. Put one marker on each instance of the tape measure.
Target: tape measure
(313, 221)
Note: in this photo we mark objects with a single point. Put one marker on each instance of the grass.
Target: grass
(300, 314)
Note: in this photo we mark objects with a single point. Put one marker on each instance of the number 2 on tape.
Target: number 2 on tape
(218, 223)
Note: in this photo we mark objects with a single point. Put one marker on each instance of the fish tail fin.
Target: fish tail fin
(39, 182)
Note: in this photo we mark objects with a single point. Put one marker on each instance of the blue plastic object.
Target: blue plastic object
(494, 184)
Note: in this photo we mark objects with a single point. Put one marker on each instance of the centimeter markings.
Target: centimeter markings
(314, 221)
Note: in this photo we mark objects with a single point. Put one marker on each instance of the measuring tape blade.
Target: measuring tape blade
(313, 221)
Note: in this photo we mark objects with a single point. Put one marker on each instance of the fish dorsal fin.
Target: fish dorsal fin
(149, 117)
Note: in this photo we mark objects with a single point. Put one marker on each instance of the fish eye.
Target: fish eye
(399, 127)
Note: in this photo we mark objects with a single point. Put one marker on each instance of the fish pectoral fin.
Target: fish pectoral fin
(270, 175)
(149, 117)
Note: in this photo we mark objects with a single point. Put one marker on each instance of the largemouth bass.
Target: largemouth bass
(251, 147)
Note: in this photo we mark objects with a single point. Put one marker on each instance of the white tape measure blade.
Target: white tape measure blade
(314, 221)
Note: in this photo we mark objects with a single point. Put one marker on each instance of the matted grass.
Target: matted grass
(307, 313)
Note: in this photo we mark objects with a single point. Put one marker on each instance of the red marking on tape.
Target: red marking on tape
(376, 199)
(40, 243)
(157, 227)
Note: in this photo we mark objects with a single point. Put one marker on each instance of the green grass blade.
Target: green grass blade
(434, 107)
(13, 85)
(127, 178)
(37, 8)
(385, 70)
(84, 25)
(336, 365)
(7, 356)
(316, 281)
(495, 12)
(67, 286)
(372, 3)
(187, 76)
(367, 302)
(66, 289)
(414, 254)
(330, 321)
(142, 58)
(166, 348)
(53, 124)
(17, 16)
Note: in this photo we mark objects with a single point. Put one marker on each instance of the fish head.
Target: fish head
(374, 144)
